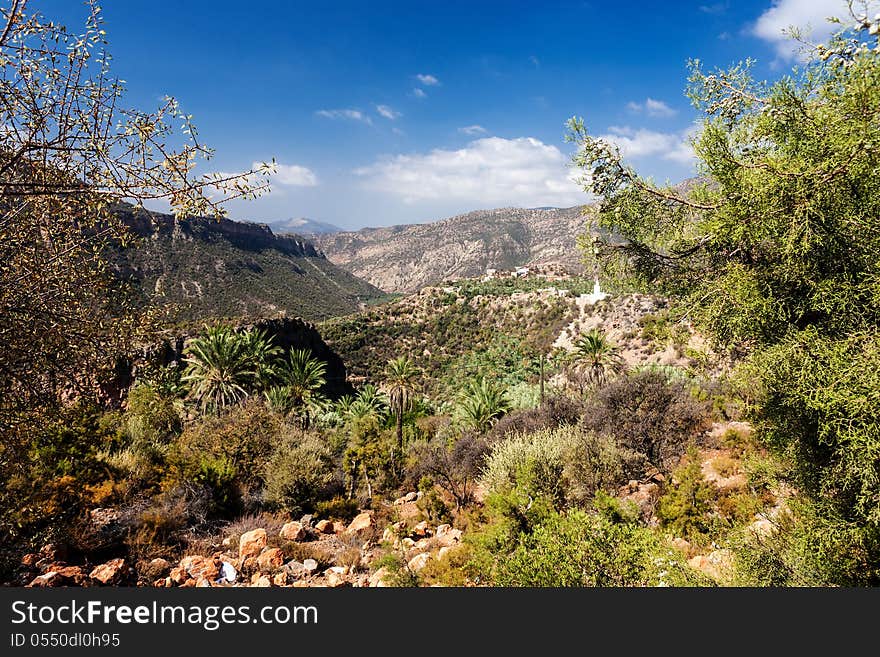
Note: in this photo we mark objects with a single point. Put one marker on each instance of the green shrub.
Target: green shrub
(339, 508)
(298, 474)
(595, 463)
(687, 504)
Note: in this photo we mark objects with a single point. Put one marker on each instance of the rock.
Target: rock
(408, 543)
(423, 544)
(307, 520)
(101, 518)
(442, 529)
(388, 535)
(338, 527)
(442, 552)
(419, 561)
(188, 584)
(449, 537)
(203, 582)
(158, 567)
(717, 564)
(252, 543)
(178, 575)
(310, 565)
(293, 531)
(54, 552)
(261, 581)
(199, 567)
(378, 578)
(46, 580)
(762, 527)
(163, 583)
(279, 579)
(409, 497)
(681, 545)
(30, 560)
(301, 584)
(295, 568)
(270, 559)
(361, 523)
(422, 529)
(110, 573)
(324, 527)
(335, 577)
(227, 572)
(227, 542)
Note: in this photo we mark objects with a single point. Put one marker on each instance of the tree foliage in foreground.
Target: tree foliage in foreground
(774, 252)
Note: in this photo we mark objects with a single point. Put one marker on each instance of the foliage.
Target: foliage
(454, 466)
(687, 503)
(595, 353)
(400, 383)
(298, 474)
(481, 403)
(648, 415)
(594, 463)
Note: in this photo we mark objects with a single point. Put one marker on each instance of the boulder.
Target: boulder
(378, 579)
(203, 582)
(270, 559)
(442, 552)
(449, 537)
(419, 561)
(178, 575)
(158, 567)
(199, 567)
(335, 577)
(293, 531)
(252, 543)
(324, 527)
(306, 520)
(30, 560)
(112, 572)
(422, 529)
(279, 579)
(310, 565)
(47, 580)
(261, 581)
(361, 523)
(717, 564)
(388, 535)
(442, 529)
(338, 527)
(295, 568)
(228, 572)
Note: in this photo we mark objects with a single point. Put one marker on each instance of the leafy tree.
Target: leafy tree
(598, 355)
(400, 383)
(481, 404)
(369, 402)
(773, 253)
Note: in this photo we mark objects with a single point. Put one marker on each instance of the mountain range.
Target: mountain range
(206, 268)
(406, 258)
(303, 226)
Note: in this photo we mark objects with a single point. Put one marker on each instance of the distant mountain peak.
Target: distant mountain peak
(304, 226)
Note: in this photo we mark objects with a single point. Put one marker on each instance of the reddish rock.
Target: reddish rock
(178, 575)
(421, 529)
(361, 523)
(270, 559)
(112, 572)
(279, 579)
(199, 567)
(324, 527)
(47, 580)
(30, 560)
(252, 543)
(293, 531)
(260, 581)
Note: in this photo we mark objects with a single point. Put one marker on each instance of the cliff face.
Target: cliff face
(202, 268)
(407, 258)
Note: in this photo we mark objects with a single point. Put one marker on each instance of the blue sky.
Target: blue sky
(397, 112)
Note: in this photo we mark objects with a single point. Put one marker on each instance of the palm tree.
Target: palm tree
(400, 385)
(219, 369)
(481, 403)
(370, 401)
(598, 355)
(263, 354)
(304, 376)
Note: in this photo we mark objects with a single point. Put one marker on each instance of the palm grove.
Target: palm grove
(773, 257)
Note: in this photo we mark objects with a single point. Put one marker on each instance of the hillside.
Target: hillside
(408, 257)
(208, 268)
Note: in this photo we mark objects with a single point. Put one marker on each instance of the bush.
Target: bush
(687, 504)
(454, 467)
(299, 474)
(556, 411)
(531, 463)
(595, 463)
(646, 413)
(585, 549)
(339, 508)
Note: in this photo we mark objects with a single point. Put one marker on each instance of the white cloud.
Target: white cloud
(387, 112)
(292, 175)
(488, 172)
(639, 142)
(473, 130)
(427, 79)
(348, 114)
(807, 15)
(651, 107)
(419, 93)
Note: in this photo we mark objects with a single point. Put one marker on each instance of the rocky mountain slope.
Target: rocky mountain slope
(408, 257)
(206, 268)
